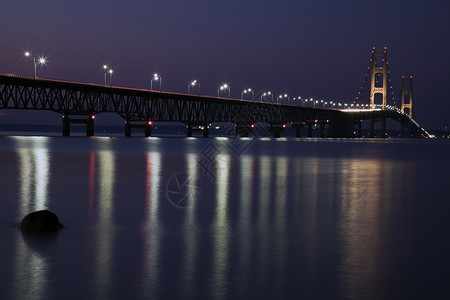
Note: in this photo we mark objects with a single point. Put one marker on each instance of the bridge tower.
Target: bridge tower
(378, 68)
(407, 95)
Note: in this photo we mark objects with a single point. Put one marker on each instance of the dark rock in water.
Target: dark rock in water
(41, 221)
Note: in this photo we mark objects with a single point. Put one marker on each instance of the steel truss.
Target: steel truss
(135, 105)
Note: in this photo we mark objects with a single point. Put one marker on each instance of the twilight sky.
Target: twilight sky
(317, 48)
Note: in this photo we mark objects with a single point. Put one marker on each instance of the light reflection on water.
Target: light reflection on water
(104, 234)
(34, 174)
(284, 225)
(264, 224)
(221, 229)
(151, 228)
(245, 225)
(190, 231)
(282, 175)
(31, 267)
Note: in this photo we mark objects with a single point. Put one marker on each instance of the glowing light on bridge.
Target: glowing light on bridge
(40, 60)
(194, 83)
(107, 71)
(247, 91)
(268, 94)
(224, 87)
(156, 78)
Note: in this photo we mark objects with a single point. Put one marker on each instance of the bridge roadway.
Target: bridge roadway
(80, 102)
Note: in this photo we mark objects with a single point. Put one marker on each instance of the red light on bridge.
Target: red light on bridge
(149, 123)
(252, 126)
(315, 121)
(284, 125)
(92, 117)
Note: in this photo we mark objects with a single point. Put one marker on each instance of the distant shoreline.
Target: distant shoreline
(157, 131)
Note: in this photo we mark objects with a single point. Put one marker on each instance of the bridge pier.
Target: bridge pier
(147, 128)
(277, 129)
(298, 127)
(310, 126)
(127, 129)
(322, 130)
(89, 121)
(244, 129)
(341, 126)
(90, 126)
(409, 131)
(65, 125)
(321, 123)
(203, 128)
(358, 128)
(372, 126)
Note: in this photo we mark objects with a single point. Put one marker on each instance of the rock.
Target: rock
(41, 221)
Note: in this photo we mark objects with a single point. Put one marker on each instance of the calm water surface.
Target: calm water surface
(178, 218)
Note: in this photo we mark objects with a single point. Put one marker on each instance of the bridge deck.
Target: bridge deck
(140, 105)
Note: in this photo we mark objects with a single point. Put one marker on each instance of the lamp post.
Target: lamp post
(41, 61)
(193, 84)
(110, 76)
(224, 87)
(297, 98)
(105, 69)
(285, 96)
(263, 95)
(156, 78)
(247, 91)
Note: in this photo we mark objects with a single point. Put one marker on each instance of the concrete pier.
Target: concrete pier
(67, 121)
(147, 128)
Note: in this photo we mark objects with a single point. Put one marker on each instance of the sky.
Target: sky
(317, 48)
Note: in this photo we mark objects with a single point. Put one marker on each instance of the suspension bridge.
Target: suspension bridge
(140, 108)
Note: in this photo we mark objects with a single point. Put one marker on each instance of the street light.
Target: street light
(156, 77)
(41, 61)
(110, 76)
(299, 99)
(193, 84)
(247, 91)
(267, 94)
(285, 96)
(224, 87)
(105, 69)
(109, 71)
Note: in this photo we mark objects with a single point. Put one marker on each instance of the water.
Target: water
(179, 218)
